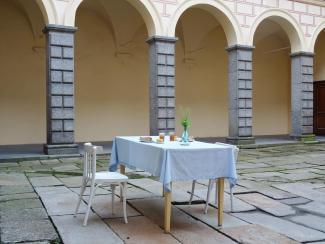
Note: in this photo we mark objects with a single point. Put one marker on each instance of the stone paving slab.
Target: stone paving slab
(5, 165)
(23, 214)
(300, 176)
(238, 204)
(183, 227)
(134, 192)
(102, 206)
(66, 168)
(140, 230)
(74, 181)
(72, 231)
(17, 196)
(20, 204)
(62, 204)
(30, 163)
(309, 220)
(256, 234)
(197, 211)
(287, 228)
(302, 189)
(7, 190)
(99, 191)
(13, 179)
(52, 190)
(295, 201)
(313, 207)
(31, 230)
(267, 190)
(45, 181)
(267, 204)
(50, 161)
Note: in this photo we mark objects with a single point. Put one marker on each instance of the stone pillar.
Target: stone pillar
(162, 84)
(240, 94)
(302, 100)
(60, 90)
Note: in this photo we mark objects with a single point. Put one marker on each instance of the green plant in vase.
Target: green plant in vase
(185, 122)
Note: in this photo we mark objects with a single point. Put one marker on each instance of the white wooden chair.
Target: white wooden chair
(210, 186)
(99, 178)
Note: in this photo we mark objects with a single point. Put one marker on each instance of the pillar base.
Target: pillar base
(308, 138)
(54, 149)
(241, 140)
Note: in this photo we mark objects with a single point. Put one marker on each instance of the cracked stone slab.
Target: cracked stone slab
(140, 230)
(197, 211)
(45, 181)
(28, 230)
(312, 221)
(102, 206)
(17, 196)
(313, 207)
(287, 228)
(183, 227)
(62, 204)
(256, 234)
(267, 204)
(72, 230)
(302, 189)
(13, 180)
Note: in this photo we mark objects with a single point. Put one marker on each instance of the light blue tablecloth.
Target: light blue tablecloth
(172, 161)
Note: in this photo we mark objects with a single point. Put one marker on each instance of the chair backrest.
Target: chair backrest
(90, 152)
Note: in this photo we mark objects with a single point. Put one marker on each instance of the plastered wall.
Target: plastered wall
(319, 67)
(22, 79)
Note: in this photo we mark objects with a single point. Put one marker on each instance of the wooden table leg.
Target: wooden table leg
(122, 171)
(168, 210)
(221, 188)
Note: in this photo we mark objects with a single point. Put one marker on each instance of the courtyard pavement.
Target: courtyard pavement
(280, 198)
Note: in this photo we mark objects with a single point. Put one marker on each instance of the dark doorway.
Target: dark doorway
(319, 107)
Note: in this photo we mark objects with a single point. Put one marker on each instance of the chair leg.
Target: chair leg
(210, 186)
(231, 200)
(124, 189)
(82, 190)
(113, 196)
(91, 197)
(192, 191)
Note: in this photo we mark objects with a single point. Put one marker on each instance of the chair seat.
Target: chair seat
(110, 177)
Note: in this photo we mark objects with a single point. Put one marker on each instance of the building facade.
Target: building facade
(88, 70)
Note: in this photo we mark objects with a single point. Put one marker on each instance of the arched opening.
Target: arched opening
(271, 79)
(111, 68)
(319, 85)
(201, 73)
(22, 69)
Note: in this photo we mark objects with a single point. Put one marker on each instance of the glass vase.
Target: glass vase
(185, 138)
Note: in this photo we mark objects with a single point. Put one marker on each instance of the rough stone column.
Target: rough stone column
(162, 84)
(240, 94)
(302, 100)
(60, 90)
